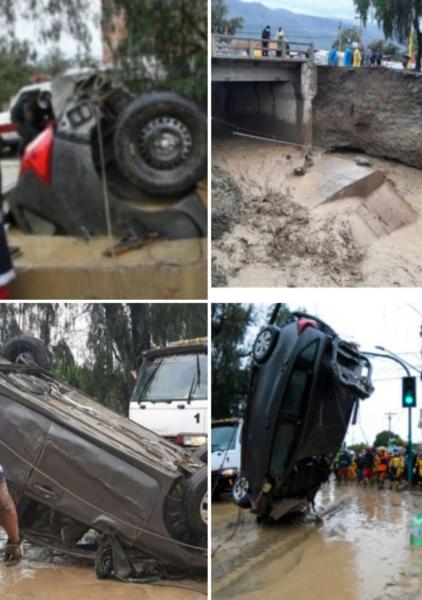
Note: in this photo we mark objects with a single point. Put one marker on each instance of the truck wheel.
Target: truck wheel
(24, 347)
(160, 144)
(201, 453)
(196, 501)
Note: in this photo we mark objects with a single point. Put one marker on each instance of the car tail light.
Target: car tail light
(38, 156)
(7, 128)
(302, 324)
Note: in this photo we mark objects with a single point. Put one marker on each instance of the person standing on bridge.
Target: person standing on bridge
(357, 58)
(348, 57)
(266, 36)
(280, 42)
(333, 57)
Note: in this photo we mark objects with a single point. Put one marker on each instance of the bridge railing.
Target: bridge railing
(233, 46)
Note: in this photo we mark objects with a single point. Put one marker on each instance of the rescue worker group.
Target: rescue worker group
(377, 466)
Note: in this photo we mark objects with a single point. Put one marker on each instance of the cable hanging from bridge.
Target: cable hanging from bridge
(237, 130)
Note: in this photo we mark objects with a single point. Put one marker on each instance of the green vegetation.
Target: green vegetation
(396, 18)
(385, 438)
(95, 347)
(165, 46)
(231, 346)
(346, 36)
(220, 22)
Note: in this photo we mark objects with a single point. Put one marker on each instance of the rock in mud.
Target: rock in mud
(377, 111)
(226, 201)
(217, 276)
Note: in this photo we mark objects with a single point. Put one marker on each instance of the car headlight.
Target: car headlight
(265, 343)
(228, 472)
(193, 440)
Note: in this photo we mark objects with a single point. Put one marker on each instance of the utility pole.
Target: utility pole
(389, 416)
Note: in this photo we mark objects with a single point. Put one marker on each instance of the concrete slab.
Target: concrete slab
(66, 268)
(385, 211)
(334, 178)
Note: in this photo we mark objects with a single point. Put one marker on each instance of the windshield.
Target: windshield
(223, 438)
(179, 377)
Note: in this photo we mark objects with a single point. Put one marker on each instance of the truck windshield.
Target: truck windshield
(179, 377)
(223, 438)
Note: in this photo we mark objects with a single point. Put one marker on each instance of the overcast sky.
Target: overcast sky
(30, 30)
(372, 318)
(338, 9)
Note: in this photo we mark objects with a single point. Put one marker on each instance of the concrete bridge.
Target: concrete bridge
(270, 94)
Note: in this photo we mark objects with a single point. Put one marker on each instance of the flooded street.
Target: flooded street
(42, 577)
(360, 549)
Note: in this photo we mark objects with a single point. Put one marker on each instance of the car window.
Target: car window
(223, 438)
(179, 377)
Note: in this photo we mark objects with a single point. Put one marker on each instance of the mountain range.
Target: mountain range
(298, 27)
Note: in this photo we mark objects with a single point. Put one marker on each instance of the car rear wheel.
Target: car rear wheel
(160, 144)
(240, 492)
(197, 501)
(24, 349)
(264, 343)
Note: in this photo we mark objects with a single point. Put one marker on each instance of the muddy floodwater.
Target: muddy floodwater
(340, 219)
(359, 550)
(41, 576)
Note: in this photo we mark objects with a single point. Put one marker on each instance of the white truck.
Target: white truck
(226, 442)
(170, 395)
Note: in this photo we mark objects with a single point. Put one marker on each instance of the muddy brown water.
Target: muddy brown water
(280, 231)
(41, 576)
(359, 550)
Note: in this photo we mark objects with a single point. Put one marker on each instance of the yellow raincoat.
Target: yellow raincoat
(357, 58)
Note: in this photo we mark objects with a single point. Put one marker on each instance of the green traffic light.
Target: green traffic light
(408, 399)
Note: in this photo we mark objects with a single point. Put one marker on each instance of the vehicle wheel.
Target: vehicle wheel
(160, 144)
(103, 562)
(196, 501)
(202, 453)
(264, 343)
(240, 492)
(23, 348)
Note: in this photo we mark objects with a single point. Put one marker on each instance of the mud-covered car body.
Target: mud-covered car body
(104, 152)
(305, 384)
(75, 466)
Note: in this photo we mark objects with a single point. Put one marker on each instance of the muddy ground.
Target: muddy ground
(277, 240)
(359, 550)
(43, 576)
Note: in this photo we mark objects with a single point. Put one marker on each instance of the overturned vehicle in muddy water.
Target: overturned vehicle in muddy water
(90, 483)
(106, 149)
(306, 383)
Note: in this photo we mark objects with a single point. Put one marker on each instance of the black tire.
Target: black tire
(273, 332)
(240, 492)
(201, 453)
(195, 499)
(30, 346)
(138, 126)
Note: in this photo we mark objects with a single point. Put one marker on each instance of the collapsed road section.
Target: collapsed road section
(320, 208)
(93, 484)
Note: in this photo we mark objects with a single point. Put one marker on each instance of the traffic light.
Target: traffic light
(409, 392)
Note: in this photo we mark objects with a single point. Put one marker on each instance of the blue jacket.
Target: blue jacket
(348, 57)
(333, 57)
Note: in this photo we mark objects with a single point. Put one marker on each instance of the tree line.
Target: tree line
(97, 347)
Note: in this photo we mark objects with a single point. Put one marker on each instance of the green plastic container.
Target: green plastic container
(416, 531)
